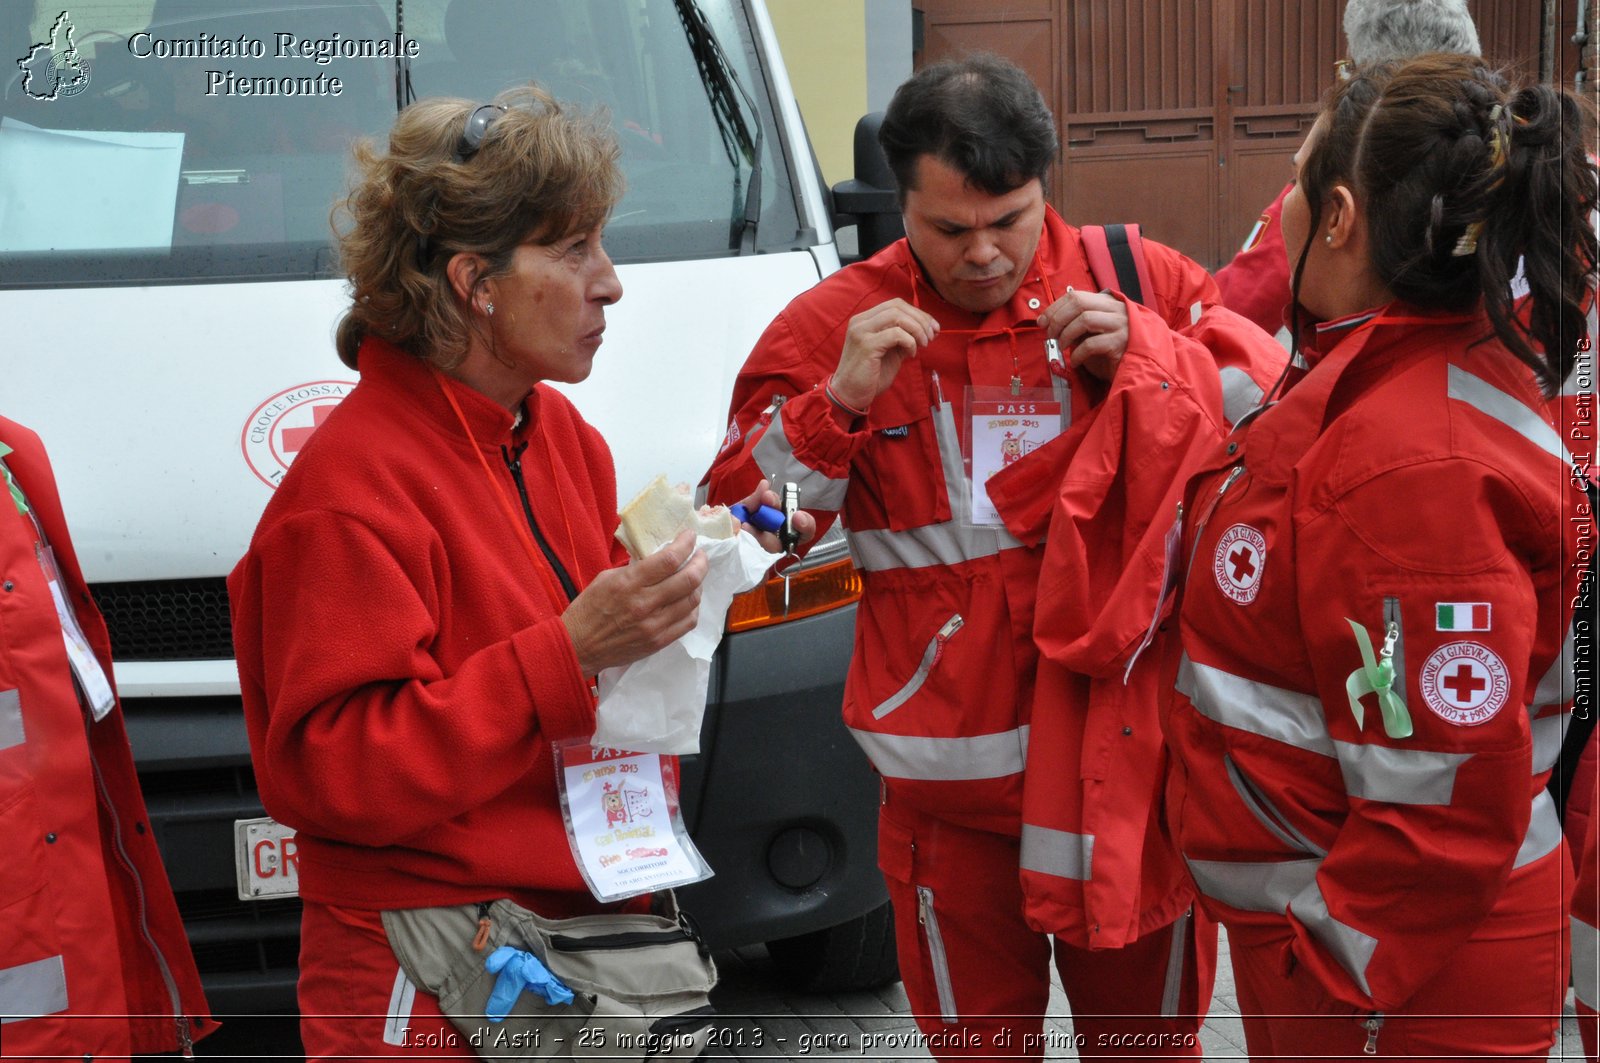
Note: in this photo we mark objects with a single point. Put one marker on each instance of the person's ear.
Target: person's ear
(465, 273)
(1341, 219)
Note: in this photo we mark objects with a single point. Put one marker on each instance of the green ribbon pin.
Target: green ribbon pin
(17, 497)
(1376, 676)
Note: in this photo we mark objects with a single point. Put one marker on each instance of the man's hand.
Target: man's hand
(1093, 326)
(629, 613)
(877, 342)
(763, 495)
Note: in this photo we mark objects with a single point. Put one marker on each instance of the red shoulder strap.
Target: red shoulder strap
(1116, 259)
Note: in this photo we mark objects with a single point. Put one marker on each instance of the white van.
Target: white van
(167, 284)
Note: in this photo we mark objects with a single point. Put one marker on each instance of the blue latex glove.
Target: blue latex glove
(518, 970)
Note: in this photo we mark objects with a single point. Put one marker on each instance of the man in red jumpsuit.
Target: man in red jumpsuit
(979, 338)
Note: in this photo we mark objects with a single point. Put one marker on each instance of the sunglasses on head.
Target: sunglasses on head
(478, 123)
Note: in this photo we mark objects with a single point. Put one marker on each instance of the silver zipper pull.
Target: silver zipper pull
(1373, 1024)
(951, 626)
(1391, 635)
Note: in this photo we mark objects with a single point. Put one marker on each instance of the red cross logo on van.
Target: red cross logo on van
(279, 429)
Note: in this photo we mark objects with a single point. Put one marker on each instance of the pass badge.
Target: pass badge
(1004, 431)
(623, 820)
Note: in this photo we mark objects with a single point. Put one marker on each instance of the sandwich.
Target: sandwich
(659, 512)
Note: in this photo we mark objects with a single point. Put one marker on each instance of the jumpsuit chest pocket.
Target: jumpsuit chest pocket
(898, 476)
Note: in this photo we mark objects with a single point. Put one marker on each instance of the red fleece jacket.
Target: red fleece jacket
(403, 664)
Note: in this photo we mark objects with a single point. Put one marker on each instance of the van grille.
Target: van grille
(167, 620)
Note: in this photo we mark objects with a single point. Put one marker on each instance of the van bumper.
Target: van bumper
(780, 800)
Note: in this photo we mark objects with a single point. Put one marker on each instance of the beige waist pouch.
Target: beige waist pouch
(640, 982)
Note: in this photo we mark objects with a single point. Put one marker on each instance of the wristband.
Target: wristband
(827, 389)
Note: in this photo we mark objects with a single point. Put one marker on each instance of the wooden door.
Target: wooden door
(1182, 115)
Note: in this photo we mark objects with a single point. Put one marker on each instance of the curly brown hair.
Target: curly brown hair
(541, 171)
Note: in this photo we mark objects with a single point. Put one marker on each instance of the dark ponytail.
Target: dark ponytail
(1462, 185)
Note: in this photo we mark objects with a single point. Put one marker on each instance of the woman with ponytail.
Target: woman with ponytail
(1373, 686)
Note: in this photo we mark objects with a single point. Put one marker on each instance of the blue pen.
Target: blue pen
(765, 518)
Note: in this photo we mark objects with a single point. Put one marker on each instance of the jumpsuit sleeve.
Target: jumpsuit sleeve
(364, 740)
(782, 427)
(1255, 284)
(1248, 360)
(1435, 819)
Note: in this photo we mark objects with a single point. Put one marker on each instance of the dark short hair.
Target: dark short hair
(980, 115)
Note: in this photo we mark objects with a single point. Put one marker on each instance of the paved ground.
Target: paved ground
(877, 1025)
(765, 1021)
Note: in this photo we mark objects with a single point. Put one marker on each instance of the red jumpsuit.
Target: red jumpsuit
(940, 692)
(1378, 885)
(93, 957)
(1255, 284)
(1583, 836)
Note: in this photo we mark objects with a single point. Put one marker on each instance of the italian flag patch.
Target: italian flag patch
(1461, 616)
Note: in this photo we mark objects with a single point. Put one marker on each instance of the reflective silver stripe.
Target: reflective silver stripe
(1586, 963)
(991, 756)
(1276, 823)
(30, 990)
(1349, 946)
(1268, 886)
(920, 676)
(1172, 991)
(1559, 685)
(949, 543)
(402, 1001)
(774, 456)
(11, 732)
(1057, 852)
(1548, 734)
(1268, 711)
(1240, 394)
(1511, 412)
(937, 956)
(1398, 776)
(1544, 831)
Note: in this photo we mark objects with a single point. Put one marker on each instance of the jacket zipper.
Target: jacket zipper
(513, 458)
(930, 657)
(936, 955)
(631, 940)
(1233, 475)
(1168, 564)
(1373, 1024)
(1392, 629)
(180, 1020)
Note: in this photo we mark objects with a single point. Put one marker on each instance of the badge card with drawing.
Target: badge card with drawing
(623, 820)
(1005, 425)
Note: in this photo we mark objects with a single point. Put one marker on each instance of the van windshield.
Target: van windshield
(161, 141)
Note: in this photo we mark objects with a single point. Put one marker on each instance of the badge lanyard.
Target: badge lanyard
(1004, 424)
(621, 809)
(93, 687)
(541, 564)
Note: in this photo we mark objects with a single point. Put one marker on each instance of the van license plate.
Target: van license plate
(265, 859)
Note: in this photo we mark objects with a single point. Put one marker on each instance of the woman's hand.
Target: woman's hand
(631, 612)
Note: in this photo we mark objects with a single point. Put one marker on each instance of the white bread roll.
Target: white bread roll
(659, 512)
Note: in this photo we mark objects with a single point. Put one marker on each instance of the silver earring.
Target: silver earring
(1329, 238)
(488, 308)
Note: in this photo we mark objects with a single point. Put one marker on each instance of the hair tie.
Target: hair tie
(1468, 243)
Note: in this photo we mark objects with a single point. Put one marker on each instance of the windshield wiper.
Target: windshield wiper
(725, 92)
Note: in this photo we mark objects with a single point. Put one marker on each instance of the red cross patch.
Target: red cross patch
(1465, 683)
(1239, 561)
